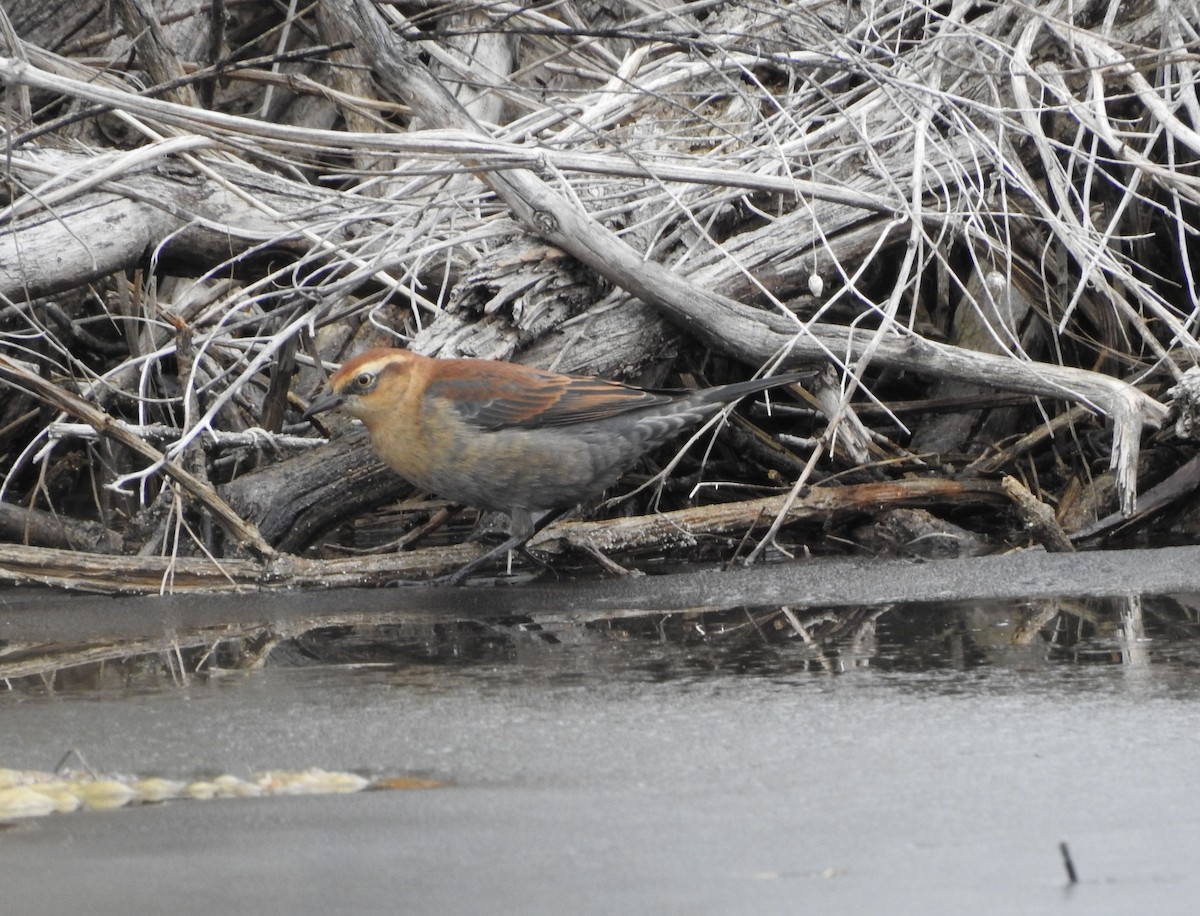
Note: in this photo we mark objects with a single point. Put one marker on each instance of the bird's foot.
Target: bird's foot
(458, 576)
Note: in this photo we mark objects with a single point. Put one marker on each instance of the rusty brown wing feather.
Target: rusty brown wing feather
(529, 399)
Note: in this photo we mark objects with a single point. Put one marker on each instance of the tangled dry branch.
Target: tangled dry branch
(947, 205)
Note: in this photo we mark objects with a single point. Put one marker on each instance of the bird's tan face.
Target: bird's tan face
(367, 387)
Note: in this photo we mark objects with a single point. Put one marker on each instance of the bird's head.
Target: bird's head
(367, 386)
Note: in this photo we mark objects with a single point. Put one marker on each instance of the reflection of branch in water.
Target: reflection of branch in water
(1110, 630)
(118, 662)
(171, 659)
(201, 643)
(104, 661)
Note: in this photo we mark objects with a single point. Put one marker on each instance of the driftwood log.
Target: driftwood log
(980, 218)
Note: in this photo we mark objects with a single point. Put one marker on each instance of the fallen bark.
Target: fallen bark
(38, 528)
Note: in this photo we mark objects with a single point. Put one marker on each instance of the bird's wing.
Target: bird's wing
(529, 399)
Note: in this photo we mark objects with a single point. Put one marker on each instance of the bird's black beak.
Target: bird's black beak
(327, 401)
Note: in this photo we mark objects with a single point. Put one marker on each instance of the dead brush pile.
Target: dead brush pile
(980, 218)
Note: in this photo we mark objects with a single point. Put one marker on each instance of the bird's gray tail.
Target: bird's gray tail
(724, 394)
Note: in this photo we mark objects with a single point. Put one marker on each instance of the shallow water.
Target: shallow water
(911, 759)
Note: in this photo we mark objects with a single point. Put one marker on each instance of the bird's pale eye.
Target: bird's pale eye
(363, 381)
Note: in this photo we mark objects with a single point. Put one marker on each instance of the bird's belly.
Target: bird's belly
(546, 469)
(506, 470)
(527, 471)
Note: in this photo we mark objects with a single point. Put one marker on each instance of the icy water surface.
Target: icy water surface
(901, 759)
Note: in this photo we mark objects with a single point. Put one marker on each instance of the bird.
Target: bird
(510, 438)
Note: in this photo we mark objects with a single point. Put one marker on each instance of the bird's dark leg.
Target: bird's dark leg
(515, 542)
